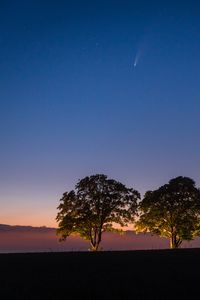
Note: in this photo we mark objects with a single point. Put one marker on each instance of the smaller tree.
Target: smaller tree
(172, 211)
(94, 206)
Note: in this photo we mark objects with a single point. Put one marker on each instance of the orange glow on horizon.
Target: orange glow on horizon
(40, 221)
(29, 220)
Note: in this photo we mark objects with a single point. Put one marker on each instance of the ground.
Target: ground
(155, 274)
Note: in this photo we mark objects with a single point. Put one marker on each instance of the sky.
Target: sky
(73, 104)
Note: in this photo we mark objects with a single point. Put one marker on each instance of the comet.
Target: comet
(137, 57)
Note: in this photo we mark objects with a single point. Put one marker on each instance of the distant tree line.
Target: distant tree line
(98, 204)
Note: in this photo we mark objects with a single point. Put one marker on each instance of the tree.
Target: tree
(94, 206)
(172, 211)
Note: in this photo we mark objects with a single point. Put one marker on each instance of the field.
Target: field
(154, 274)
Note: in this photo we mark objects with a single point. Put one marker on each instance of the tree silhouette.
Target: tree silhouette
(172, 211)
(94, 206)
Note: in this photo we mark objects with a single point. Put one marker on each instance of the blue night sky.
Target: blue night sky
(73, 104)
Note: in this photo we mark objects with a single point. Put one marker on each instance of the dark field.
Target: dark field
(158, 274)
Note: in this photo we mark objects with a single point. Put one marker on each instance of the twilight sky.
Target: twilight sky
(72, 104)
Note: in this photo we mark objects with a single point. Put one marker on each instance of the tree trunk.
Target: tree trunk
(174, 241)
(95, 241)
(94, 248)
(172, 244)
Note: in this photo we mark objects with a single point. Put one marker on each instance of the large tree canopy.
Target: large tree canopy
(172, 211)
(94, 206)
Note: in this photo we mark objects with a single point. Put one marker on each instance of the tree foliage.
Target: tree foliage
(91, 209)
(171, 211)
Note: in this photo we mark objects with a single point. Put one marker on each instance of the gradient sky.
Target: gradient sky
(72, 104)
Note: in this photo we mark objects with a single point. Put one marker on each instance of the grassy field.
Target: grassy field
(156, 274)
